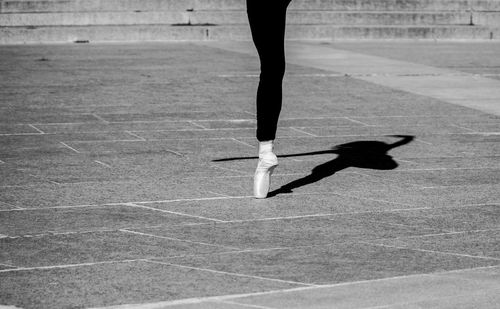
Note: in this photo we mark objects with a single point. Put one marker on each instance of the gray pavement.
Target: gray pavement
(126, 177)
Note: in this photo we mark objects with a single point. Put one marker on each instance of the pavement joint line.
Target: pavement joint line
(199, 300)
(220, 194)
(100, 118)
(341, 194)
(21, 134)
(69, 147)
(249, 128)
(186, 200)
(97, 141)
(104, 230)
(7, 265)
(228, 169)
(256, 250)
(10, 205)
(488, 133)
(247, 137)
(103, 164)
(228, 302)
(464, 128)
(303, 132)
(280, 218)
(238, 75)
(378, 178)
(357, 121)
(274, 175)
(356, 213)
(37, 129)
(409, 170)
(51, 207)
(197, 125)
(232, 274)
(57, 123)
(406, 225)
(19, 186)
(250, 113)
(51, 233)
(241, 142)
(150, 202)
(441, 298)
(51, 267)
(339, 214)
(173, 212)
(457, 186)
(448, 233)
(253, 120)
(422, 141)
(135, 135)
(431, 251)
(375, 200)
(99, 230)
(175, 152)
(420, 116)
(177, 239)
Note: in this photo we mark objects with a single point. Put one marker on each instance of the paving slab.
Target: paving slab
(113, 127)
(432, 54)
(18, 178)
(437, 83)
(436, 196)
(92, 247)
(438, 290)
(144, 282)
(333, 264)
(283, 184)
(384, 129)
(7, 206)
(16, 129)
(289, 205)
(95, 193)
(452, 177)
(404, 291)
(476, 243)
(104, 168)
(200, 133)
(451, 219)
(455, 162)
(86, 218)
(30, 140)
(291, 232)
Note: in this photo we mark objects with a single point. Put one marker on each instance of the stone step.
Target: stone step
(486, 18)
(16, 6)
(58, 34)
(235, 17)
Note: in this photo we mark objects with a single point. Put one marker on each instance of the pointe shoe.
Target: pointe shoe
(262, 178)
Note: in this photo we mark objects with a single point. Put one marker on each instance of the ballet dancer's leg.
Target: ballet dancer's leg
(267, 22)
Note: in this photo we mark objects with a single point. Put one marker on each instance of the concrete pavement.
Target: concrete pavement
(127, 176)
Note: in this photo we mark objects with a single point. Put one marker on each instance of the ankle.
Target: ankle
(265, 148)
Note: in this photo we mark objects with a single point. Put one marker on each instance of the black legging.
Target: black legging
(267, 22)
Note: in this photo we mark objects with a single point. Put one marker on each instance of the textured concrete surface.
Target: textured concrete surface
(126, 177)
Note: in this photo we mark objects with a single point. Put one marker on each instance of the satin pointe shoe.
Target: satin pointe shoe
(262, 178)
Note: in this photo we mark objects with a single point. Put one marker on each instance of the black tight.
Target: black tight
(267, 22)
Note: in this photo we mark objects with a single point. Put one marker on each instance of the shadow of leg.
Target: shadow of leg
(322, 171)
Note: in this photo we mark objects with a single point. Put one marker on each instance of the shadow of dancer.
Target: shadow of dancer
(362, 154)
